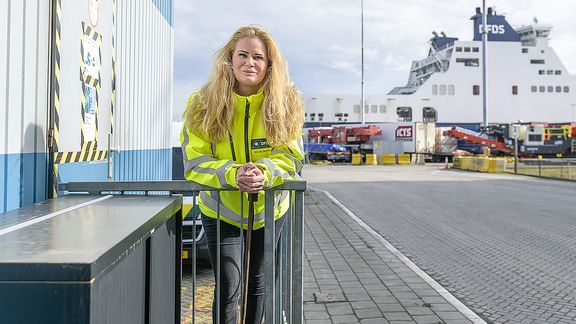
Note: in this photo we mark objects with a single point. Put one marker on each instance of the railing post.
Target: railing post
(178, 265)
(297, 258)
(270, 257)
(287, 256)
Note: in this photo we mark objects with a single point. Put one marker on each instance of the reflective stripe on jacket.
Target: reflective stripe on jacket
(215, 164)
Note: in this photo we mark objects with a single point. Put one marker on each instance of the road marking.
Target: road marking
(435, 285)
(52, 215)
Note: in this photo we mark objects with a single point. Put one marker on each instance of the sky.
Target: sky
(321, 39)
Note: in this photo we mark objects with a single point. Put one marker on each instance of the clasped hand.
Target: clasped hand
(250, 178)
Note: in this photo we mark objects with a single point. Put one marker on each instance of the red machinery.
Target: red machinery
(492, 144)
(343, 134)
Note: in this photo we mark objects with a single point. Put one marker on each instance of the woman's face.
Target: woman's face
(249, 63)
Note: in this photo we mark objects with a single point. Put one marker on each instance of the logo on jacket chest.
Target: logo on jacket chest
(259, 143)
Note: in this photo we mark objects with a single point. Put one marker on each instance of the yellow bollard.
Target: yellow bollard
(371, 159)
(356, 159)
(388, 159)
(403, 159)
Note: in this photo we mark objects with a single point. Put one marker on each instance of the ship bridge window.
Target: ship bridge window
(466, 49)
(549, 72)
(357, 109)
(442, 89)
(557, 72)
(550, 89)
(537, 62)
(468, 61)
(450, 89)
(475, 49)
(542, 88)
(558, 89)
(434, 89)
(374, 109)
(382, 109)
(429, 114)
(476, 90)
(534, 89)
(514, 89)
(458, 49)
(404, 114)
(366, 109)
(541, 72)
(524, 50)
(566, 89)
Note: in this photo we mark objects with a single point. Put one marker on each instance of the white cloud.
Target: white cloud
(321, 38)
(346, 66)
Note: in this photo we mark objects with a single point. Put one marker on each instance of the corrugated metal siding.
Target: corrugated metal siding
(144, 92)
(24, 63)
(144, 69)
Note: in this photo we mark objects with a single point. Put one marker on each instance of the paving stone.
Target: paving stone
(314, 307)
(362, 304)
(368, 313)
(337, 319)
(392, 316)
(419, 311)
(340, 309)
(374, 321)
(316, 315)
(319, 321)
(329, 297)
(427, 319)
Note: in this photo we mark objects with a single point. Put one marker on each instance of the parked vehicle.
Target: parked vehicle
(190, 211)
(327, 152)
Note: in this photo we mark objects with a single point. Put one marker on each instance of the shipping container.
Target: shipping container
(85, 94)
(405, 137)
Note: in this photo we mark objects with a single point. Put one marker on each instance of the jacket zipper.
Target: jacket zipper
(246, 121)
(232, 148)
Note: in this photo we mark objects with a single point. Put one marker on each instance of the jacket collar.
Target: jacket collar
(255, 100)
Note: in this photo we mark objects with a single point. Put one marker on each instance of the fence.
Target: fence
(548, 168)
(283, 301)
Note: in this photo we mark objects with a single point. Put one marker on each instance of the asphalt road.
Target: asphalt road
(504, 245)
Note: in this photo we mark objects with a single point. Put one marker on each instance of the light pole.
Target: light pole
(516, 131)
(484, 63)
(362, 103)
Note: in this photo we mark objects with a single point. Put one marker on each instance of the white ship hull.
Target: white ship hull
(526, 81)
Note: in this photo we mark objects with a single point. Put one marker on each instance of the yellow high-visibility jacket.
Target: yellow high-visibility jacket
(215, 164)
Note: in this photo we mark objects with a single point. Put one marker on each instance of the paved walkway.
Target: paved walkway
(352, 277)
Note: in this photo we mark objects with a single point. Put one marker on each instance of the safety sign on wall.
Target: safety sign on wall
(90, 75)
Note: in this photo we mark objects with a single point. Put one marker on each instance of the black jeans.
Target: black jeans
(231, 268)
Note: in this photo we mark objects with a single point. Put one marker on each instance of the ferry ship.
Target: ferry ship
(526, 80)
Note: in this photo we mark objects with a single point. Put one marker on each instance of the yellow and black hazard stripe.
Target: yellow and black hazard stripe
(54, 135)
(113, 94)
(82, 156)
(89, 81)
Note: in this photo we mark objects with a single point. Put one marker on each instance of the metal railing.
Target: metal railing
(557, 168)
(284, 297)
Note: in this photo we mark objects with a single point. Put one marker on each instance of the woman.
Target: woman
(242, 130)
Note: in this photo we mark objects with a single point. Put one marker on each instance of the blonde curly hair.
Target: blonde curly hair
(211, 111)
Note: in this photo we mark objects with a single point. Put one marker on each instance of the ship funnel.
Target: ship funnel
(443, 34)
(478, 10)
(489, 10)
(435, 34)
